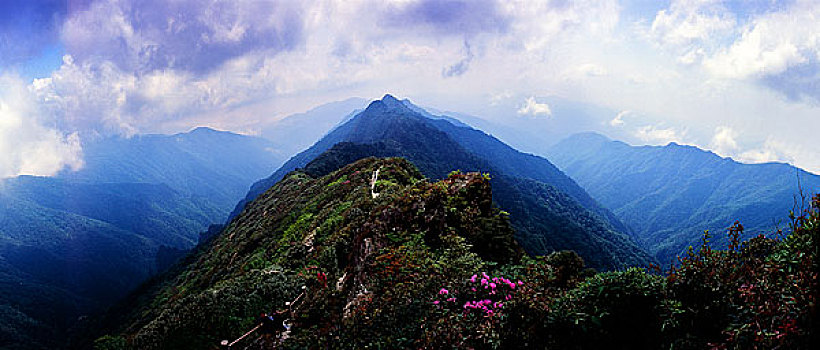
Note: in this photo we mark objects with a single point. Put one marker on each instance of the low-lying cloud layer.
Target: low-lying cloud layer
(740, 78)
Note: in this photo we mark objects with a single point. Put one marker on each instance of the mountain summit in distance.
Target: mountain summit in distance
(548, 209)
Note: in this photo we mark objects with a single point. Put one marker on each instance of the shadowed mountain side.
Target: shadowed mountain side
(670, 194)
(389, 128)
(370, 126)
(75, 243)
(57, 266)
(545, 218)
(152, 210)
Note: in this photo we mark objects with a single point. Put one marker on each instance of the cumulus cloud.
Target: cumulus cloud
(689, 27)
(774, 47)
(165, 66)
(686, 21)
(659, 136)
(723, 142)
(187, 34)
(778, 150)
(157, 66)
(29, 146)
(534, 108)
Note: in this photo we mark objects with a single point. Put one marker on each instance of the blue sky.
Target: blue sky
(740, 78)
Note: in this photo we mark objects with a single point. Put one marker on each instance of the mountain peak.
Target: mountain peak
(203, 129)
(389, 99)
(387, 102)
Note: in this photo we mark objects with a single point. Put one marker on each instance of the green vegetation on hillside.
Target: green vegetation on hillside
(406, 263)
(668, 195)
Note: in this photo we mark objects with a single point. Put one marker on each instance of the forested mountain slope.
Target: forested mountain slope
(670, 194)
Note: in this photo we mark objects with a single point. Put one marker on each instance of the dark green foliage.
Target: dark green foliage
(623, 309)
(398, 272)
(400, 245)
(669, 195)
(110, 343)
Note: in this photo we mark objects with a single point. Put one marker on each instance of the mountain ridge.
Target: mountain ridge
(438, 147)
(670, 194)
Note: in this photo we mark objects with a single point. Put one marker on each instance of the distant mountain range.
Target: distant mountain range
(296, 132)
(668, 195)
(548, 209)
(368, 238)
(79, 241)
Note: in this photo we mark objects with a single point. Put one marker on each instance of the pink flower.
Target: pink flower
(451, 299)
(472, 279)
(435, 302)
(520, 283)
(483, 281)
(443, 291)
(508, 297)
(492, 285)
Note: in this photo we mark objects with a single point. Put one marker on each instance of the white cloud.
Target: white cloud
(686, 21)
(772, 43)
(619, 119)
(495, 99)
(125, 76)
(27, 144)
(723, 142)
(778, 150)
(659, 136)
(688, 27)
(534, 109)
